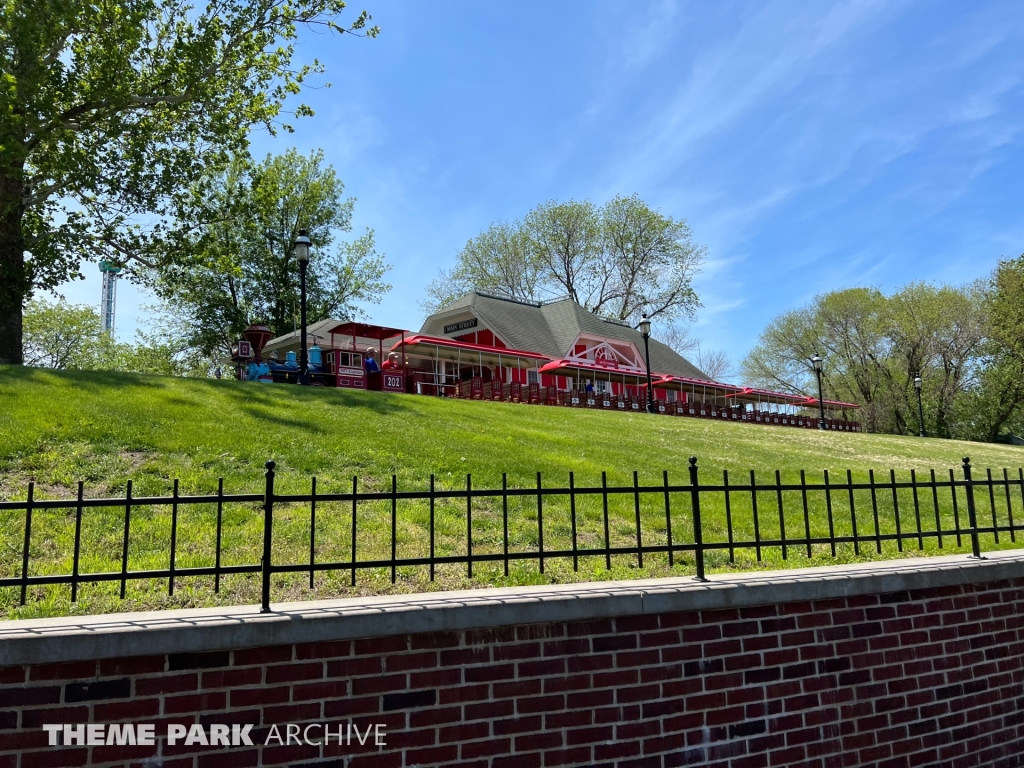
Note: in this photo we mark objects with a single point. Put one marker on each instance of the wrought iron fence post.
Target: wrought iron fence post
(268, 529)
(698, 534)
(971, 515)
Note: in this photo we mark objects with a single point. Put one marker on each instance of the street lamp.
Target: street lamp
(821, 400)
(920, 409)
(301, 252)
(645, 331)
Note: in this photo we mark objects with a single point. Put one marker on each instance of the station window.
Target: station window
(531, 377)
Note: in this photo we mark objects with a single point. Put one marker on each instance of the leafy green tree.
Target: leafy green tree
(110, 111)
(617, 260)
(239, 268)
(874, 346)
(61, 335)
(71, 337)
(1000, 398)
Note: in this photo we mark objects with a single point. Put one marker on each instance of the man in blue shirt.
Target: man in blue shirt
(369, 363)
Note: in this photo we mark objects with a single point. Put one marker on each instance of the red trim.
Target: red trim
(802, 400)
(669, 382)
(365, 330)
(440, 341)
(564, 367)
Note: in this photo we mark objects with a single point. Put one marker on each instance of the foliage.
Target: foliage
(114, 427)
(617, 260)
(959, 340)
(239, 268)
(71, 337)
(109, 112)
(61, 335)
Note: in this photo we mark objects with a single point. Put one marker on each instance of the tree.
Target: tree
(618, 260)
(71, 337)
(239, 268)
(1000, 400)
(61, 335)
(109, 111)
(874, 346)
(653, 262)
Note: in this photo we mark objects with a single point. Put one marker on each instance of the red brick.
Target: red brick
(132, 665)
(352, 706)
(438, 678)
(379, 645)
(310, 670)
(202, 702)
(55, 758)
(616, 751)
(573, 756)
(149, 686)
(231, 678)
(485, 748)
(252, 697)
(382, 684)
(465, 693)
(465, 656)
(369, 665)
(36, 718)
(74, 670)
(411, 661)
(463, 732)
(491, 636)
(447, 753)
(434, 640)
(18, 697)
(539, 741)
(532, 760)
(327, 689)
(536, 704)
(516, 651)
(273, 654)
(540, 668)
(9, 675)
(326, 650)
(228, 758)
(490, 673)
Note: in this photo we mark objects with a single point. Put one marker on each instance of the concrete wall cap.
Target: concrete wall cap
(37, 641)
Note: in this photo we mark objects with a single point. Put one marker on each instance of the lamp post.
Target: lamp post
(920, 409)
(301, 252)
(645, 331)
(816, 361)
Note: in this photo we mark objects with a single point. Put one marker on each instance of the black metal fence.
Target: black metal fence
(778, 529)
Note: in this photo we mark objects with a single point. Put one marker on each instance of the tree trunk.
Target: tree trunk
(14, 279)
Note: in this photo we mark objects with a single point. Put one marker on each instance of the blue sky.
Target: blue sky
(811, 146)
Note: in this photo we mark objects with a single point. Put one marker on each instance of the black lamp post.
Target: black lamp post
(920, 409)
(645, 331)
(301, 252)
(821, 400)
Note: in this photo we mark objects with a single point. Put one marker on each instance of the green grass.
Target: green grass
(104, 428)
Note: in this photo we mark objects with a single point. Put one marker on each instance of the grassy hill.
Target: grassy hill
(57, 428)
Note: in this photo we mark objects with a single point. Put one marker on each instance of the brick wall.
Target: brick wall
(924, 677)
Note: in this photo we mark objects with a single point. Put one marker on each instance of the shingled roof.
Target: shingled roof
(552, 328)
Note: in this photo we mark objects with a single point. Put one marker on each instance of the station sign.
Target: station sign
(461, 326)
